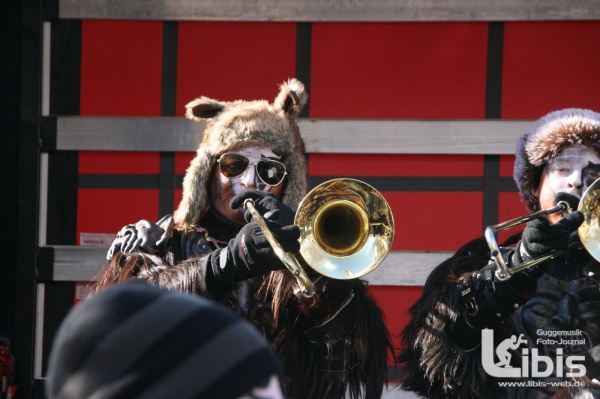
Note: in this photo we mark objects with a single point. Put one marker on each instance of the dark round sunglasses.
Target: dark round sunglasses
(269, 171)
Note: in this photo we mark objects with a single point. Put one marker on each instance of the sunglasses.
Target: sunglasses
(269, 171)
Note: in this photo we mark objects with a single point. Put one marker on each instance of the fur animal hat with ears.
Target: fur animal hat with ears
(234, 125)
(550, 135)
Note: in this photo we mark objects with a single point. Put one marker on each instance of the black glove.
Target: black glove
(540, 237)
(489, 301)
(143, 236)
(266, 204)
(249, 254)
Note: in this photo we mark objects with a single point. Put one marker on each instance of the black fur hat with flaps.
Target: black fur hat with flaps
(238, 124)
(550, 135)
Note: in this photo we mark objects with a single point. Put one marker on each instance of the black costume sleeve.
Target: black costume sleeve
(440, 356)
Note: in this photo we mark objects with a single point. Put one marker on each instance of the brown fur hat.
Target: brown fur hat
(550, 135)
(238, 124)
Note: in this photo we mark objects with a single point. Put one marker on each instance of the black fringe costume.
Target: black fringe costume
(334, 346)
(432, 360)
(343, 358)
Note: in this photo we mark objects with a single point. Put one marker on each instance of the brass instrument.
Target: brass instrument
(589, 231)
(346, 231)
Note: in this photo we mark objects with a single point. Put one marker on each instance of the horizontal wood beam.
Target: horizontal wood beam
(82, 263)
(331, 10)
(172, 134)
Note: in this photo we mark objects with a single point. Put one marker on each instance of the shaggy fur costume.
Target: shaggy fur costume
(231, 125)
(334, 345)
(432, 364)
(550, 135)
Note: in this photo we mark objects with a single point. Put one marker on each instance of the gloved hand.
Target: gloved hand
(541, 237)
(249, 254)
(143, 236)
(489, 301)
(266, 204)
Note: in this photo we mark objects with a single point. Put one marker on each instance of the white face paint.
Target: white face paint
(271, 391)
(573, 170)
(249, 179)
(222, 189)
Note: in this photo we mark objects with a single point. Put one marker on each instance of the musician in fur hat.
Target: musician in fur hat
(543, 321)
(333, 344)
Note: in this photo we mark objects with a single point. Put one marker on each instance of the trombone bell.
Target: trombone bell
(341, 227)
(589, 231)
(346, 228)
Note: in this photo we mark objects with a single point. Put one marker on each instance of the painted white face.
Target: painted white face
(573, 170)
(249, 178)
(222, 189)
(271, 391)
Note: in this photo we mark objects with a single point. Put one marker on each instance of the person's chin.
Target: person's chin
(237, 216)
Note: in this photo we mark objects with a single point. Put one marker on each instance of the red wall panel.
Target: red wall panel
(121, 64)
(507, 163)
(549, 66)
(395, 302)
(394, 165)
(121, 73)
(177, 196)
(108, 210)
(436, 221)
(510, 207)
(230, 61)
(398, 70)
(108, 162)
(182, 161)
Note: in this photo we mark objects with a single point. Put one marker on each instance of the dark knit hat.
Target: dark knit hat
(550, 135)
(237, 124)
(135, 340)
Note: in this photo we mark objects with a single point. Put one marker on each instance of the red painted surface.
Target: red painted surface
(108, 162)
(121, 64)
(233, 60)
(395, 302)
(436, 221)
(182, 161)
(548, 66)
(394, 165)
(398, 70)
(108, 210)
(507, 163)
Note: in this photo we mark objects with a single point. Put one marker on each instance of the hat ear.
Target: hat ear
(203, 108)
(291, 98)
